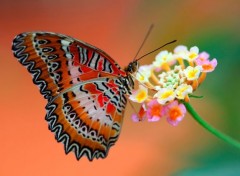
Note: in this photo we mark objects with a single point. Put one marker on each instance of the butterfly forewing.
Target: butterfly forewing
(57, 61)
(86, 99)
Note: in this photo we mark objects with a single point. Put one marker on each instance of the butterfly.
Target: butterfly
(85, 88)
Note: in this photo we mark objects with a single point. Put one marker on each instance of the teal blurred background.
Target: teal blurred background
(118, 27)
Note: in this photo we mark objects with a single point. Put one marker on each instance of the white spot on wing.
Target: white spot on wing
(64, 42)
(68, 55)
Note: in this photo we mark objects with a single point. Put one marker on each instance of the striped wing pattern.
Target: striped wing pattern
(86, 99)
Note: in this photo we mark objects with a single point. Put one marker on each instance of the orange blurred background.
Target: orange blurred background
(27, 147)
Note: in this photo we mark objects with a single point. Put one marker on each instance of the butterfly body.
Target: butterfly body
(85, 88)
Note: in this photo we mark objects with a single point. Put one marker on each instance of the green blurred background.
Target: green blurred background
(118, 27)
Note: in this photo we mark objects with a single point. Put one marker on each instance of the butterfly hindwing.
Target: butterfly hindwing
(86, 99)
(88, 117)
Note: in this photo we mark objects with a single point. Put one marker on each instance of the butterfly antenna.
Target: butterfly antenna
(155, 50)
(146, 36)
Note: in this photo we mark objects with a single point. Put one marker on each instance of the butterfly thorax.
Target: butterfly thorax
(127, 81)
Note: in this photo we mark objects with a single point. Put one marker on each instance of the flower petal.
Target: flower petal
(141, 114)
(209, 66)
(192, 73)
(143, 73)
(154, 110)
(183, 90)
(175, 113)
(180, 49)
(165, 95)
(139, 95)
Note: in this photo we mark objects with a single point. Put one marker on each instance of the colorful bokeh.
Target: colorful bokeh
(27, 147)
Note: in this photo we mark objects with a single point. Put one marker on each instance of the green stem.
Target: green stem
(208, 127)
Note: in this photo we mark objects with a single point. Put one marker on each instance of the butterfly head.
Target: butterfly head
(132, 67)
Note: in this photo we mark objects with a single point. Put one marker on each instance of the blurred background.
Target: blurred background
(27, 147)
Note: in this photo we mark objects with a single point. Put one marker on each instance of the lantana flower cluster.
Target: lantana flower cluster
(169, 81)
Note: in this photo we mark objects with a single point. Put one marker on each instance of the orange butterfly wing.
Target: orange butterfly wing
(86, 98)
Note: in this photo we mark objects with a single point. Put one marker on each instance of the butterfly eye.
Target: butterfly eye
(132, 67)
